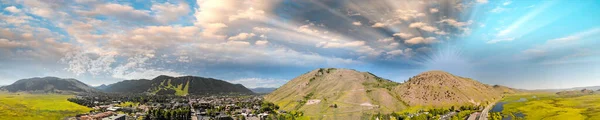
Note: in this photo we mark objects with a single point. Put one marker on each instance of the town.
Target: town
(111, 106)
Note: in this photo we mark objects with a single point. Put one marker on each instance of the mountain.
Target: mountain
(167, 85)
(49, 85)
(331, 91)
(262, 90)
(341, 93)
(442, 89)
(101, 87)
(570, 89)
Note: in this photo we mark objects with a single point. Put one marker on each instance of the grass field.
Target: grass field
(23, 106)
(549, 106)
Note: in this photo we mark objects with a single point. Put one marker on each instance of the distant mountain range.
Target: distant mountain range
(161, 85)
(317, 91)
(49, 84)
(262, 90)
(570, 89)
(167, 85)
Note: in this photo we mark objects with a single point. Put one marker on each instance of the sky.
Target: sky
(525, 44)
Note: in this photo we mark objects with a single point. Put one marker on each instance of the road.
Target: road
(484, 113)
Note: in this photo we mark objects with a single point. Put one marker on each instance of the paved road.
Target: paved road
(484, 113)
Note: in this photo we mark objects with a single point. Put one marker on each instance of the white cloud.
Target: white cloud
(242, 36)
(261, 29)
(168, 12)
(498, 9)
(507, 3)
(12, 9)
(421, 40)
(386, 40)
(394, 52)
(433, 10)
(425, 27)
(403, 35)
(261, 42)
(8, 44)
(482, 1)
(378, 25)
(250, 14)
(500, 40)
(340, 45)
(575, 37)
(357, 23)
(455, 23)
(119, 11)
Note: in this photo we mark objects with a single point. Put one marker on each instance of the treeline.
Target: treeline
(459, 113)
(183, 113)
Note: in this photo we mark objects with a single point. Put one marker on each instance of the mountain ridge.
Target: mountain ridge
(183, 85)
(49, 85)
(320, 89)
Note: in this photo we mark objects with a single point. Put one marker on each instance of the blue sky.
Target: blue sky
(264, 43)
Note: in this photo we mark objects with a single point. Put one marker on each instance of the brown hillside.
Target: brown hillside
(438, 88)
(353, 92)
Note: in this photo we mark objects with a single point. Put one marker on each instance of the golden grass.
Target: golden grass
(23, 106)
(553, 107)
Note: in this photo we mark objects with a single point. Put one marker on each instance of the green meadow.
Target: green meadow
(549, 106)
(23, 106)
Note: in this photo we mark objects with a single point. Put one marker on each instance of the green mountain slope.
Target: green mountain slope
(186, 85)
(49, 85)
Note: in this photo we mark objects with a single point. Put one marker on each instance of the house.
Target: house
(115, 117)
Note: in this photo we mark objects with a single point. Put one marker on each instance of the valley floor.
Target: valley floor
(548, 106)
(23, 106)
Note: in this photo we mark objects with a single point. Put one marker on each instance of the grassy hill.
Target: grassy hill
(49, 85)
(442, 89)
(357, 93)
(353, 93)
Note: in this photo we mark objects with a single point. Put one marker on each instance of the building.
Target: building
(116, 117)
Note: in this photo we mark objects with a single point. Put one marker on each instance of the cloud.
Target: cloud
(403, 35)
(340, 45)
(575, 37)
(250, 14)
(433, 10)
(425, 27)
(378, 25)
(498, 9)
(420, 40)
(559, 46)
(8, 44)
(124, 12)
(12, 9)
(394, 53)
(482, 1)
(500, 40)
(507, 3)
(261, 29)
(168, 12)
(455, 23)
(242, 36)
(357, 23)
(261, 42)
(259, 82)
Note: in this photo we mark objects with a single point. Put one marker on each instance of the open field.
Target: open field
(549, 106)
(23, 106)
